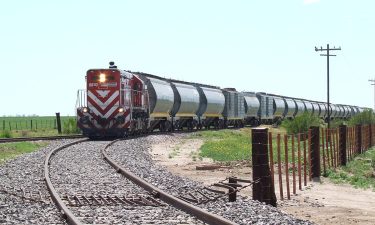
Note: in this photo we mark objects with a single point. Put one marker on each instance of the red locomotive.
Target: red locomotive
(114, 103)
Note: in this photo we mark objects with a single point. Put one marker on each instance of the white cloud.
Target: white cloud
(307, 2)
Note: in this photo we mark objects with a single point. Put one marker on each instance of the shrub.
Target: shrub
(6, 134)
(70, 126)
(335, 123)
(365, 117)
(301, 123)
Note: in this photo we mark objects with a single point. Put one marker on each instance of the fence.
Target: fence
(295, 160)
(30, 123)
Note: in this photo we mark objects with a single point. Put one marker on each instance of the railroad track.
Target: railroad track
(139, 195)
(5, 140)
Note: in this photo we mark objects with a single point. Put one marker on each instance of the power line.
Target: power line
(328, 55)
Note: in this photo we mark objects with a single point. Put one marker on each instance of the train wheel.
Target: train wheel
(168, 126)
(221, 124)
(194, 124)
(161, 126)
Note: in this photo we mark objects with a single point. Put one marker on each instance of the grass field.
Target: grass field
(233, 145)
(31, 126)
(11, 150)
(360, 172)
(30, 123)
(225, 145)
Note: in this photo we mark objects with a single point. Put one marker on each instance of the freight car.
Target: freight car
(118, 103)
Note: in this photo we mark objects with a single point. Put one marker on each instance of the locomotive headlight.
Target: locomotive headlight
(85, 109)
(121, 110)
(102, 77)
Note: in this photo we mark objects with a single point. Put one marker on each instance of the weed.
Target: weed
(365, 117)
(70, 126)
(301, 123)
(6, 134)
(359, 172)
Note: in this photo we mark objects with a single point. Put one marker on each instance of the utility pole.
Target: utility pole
(373, 83)
(328, 55)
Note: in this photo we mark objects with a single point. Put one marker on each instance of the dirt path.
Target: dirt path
(322, 203)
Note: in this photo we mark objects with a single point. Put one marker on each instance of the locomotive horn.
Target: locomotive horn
(112, 65)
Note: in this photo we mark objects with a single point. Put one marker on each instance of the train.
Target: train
(118, 103)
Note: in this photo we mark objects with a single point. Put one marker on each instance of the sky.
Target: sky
(46, 47)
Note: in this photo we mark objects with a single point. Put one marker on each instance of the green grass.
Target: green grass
(235, 145)
(360, 172)
(31, 122)
(12, 150)
(225, 145)
(41, 126)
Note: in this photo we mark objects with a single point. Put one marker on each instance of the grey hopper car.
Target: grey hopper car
(251, 105)
(266, 107)
(348, 111)
(291, 107)
(333, 111)
(300, 107)
(342, 111)
(212, 102)
(186, 101)
(323, 110)
(234, 109)
(161, 97)
(186, 104)
(316, 109)
(280, 108)
(251, 108)
(309, 107)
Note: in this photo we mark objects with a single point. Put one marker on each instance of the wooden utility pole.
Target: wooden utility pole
(328, 55)
(373, 83)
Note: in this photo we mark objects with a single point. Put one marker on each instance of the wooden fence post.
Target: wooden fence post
(342, 144)
(263, 190)
(58, 122)
(315, 153)
(370, 135)
(358, 130)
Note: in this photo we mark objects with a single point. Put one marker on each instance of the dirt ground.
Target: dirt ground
(320, 202)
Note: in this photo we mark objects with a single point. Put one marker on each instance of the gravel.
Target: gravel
(81, 170)
(134, 155)
(27, 172)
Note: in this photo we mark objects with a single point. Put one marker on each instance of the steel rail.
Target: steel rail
(176, 202)
(5, 140)
(67, 214)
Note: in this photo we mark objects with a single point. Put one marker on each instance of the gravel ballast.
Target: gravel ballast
(81, 170)
(134, 155)
(27, 172)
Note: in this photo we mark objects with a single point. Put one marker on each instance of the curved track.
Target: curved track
(68, 215)
(173, 202)
(176, 202)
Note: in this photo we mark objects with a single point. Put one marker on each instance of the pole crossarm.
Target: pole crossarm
(325, 49)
